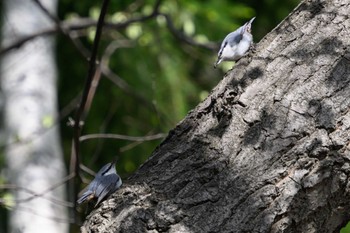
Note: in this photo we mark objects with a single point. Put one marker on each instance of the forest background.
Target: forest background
(159, 68)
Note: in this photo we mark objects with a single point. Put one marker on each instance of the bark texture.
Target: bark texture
(267, 151)
(33, 153)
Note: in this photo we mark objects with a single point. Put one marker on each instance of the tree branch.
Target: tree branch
(243, 160)
(77, 127)
(116, 79)
(182, 37)
(25, 39)
(122, 137)
(66, 27)
(42, 194)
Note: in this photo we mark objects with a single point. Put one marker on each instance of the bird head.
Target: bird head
(248, 25)
(107, 169)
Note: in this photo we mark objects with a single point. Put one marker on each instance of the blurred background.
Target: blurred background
(156, 67)
(166, 77)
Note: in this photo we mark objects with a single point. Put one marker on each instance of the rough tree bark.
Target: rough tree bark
(33, 154)
(267, 151)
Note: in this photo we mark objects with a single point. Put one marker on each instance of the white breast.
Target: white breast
(236, 52)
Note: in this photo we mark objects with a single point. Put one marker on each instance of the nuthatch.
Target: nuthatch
(106, 182)
(236, 44)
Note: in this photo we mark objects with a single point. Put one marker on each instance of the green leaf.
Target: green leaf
(8, 200)
(48, 121)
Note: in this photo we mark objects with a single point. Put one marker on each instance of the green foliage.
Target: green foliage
(171, 76)
(6, 199)
(346, 229)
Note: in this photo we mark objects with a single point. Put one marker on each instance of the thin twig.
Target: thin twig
(54, 186)
(94, 84)
(25, 39)
(87, 22)
(182, 37)
(68, 26)
(86, 90)
(44, 9)
(122, 137)
(102, 129)
(53, 218)
(41, 132)
(116, 79)
(42, 194)
(129, 146)
(61, 26)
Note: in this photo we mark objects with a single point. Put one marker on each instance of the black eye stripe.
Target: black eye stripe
(109, 167)
(220, 53)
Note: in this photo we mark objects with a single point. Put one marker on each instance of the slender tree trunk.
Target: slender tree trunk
(33, 153)
(267, 151)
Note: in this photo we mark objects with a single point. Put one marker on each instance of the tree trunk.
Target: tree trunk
(267, 151)
(33, 153)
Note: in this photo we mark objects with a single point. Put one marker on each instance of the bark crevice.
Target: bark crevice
(267, 151)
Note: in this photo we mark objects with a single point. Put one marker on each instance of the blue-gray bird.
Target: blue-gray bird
(106, 182)
(236, 44)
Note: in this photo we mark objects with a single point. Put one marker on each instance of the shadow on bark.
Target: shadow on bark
(267, 151)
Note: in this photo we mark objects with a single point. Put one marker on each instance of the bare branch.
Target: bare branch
(65, 31)
(129, 146)
(94, 84)
(54, 186)
(53, 218)
(122, 137)
(51, 16)
(67, 27)
(87, 22)
(25, 39)
(35, 195)
(182, 37)
(87, 170)
(116, 79)
(75, 160)
(42, 194)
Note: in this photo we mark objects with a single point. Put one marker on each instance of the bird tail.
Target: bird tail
(251, 21)
(85, 196)
(248, 25)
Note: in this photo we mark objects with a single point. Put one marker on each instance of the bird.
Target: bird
(236, 44)
(106, 182)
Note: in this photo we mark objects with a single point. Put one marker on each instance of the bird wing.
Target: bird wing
(236, 38)
(232, 40)
(87, 193)
(108, 185)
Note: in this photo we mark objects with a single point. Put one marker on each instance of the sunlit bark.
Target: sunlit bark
(33, 152)
(267, 151)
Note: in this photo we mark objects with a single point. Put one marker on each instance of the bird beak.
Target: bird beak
(251, 21)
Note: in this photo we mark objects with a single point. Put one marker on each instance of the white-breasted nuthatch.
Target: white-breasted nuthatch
(106, 182)
(236, 44)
